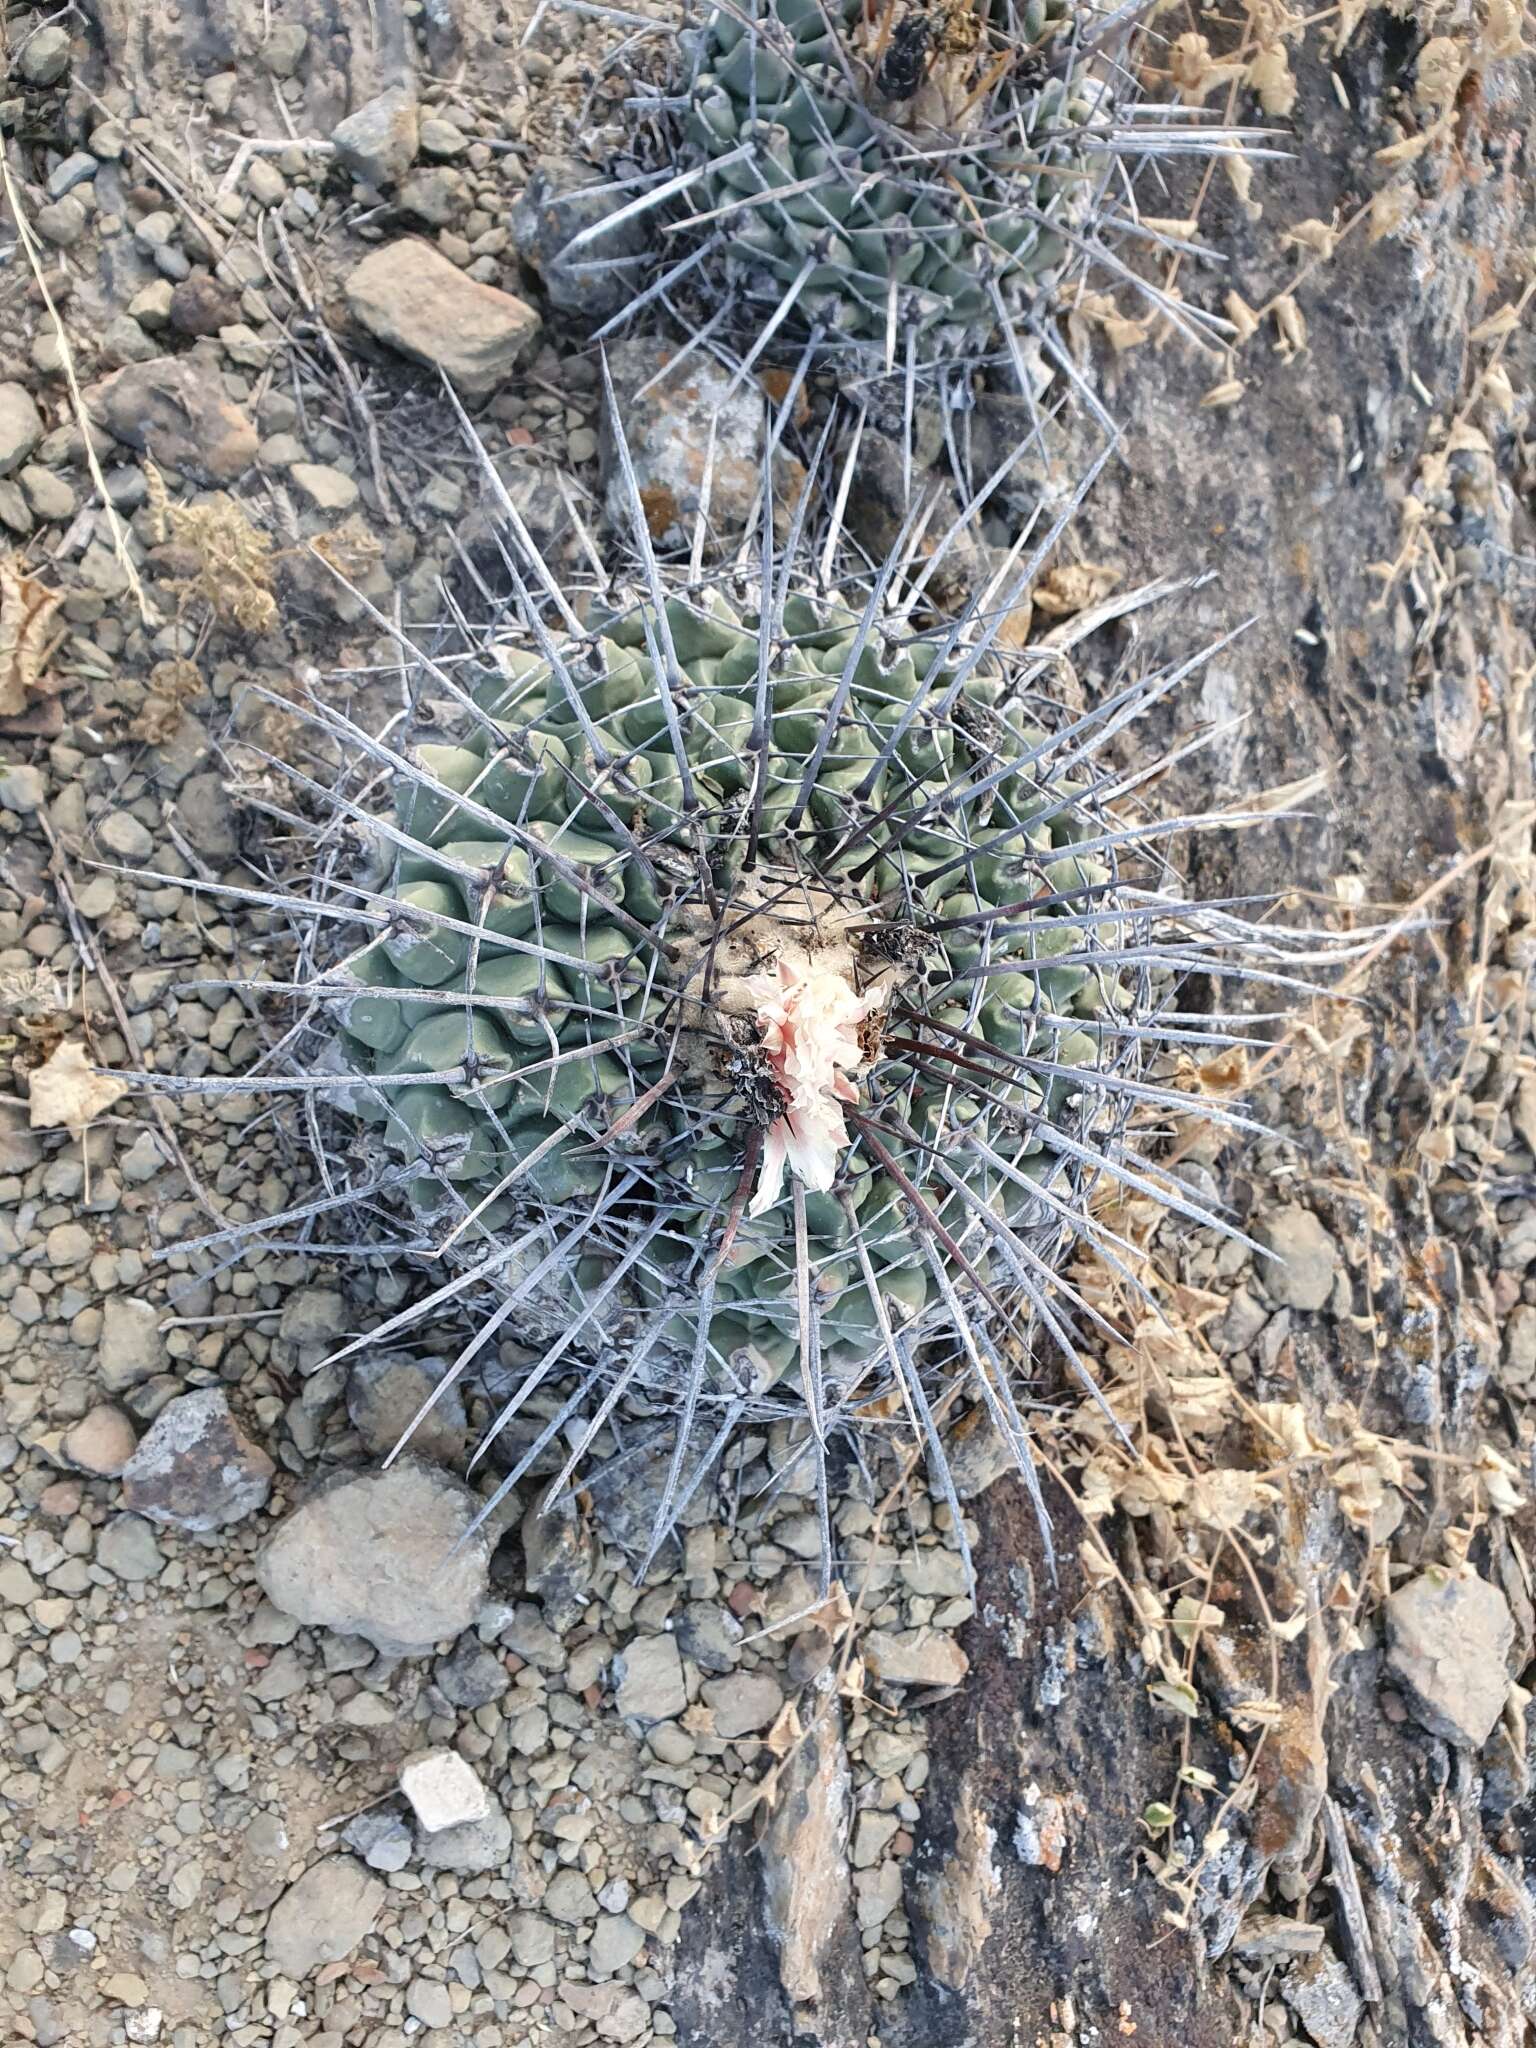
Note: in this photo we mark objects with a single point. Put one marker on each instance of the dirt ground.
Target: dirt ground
(1220, 1781)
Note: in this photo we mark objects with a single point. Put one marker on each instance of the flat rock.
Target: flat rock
(323, 1915)
(328, 489)
(914, 1656)
(412, 298)
(472, 1845)
(1448, 1644)
(533, 1939)
(743, 1703)
(21, 426)
(196, 1469)
(569, 1897)
(130, 1348)
(378, 142)
(1305, 1258)
(127, 1548)
(651, 1685)
(443, 1790)
(102, 1441)
(382, 1555)
(616, 1941)
(174, 409)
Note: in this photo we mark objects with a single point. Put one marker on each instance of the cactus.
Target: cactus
(778, 932)
(753, 990)
(925, 156)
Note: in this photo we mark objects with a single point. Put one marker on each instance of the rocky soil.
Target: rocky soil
(1247, 1760)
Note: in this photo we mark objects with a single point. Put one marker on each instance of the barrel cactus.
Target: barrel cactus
(752, 996)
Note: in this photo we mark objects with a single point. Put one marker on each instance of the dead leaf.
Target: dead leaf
(1404, 152)
(1242, 315)
(1291, 325)
(1222, 395)
(1315, 235)
(1391, 208)
(1496, 391)
(1014, 629)
(26, 617)
(67, 1095)
(1073, 587)
(1465, 439)
(785, 1732)
(1497, 325)
(1271, 77)
(1240, 177)
(1501, 30)
(1195, 71)
(1438, 74)
(1221, 1499)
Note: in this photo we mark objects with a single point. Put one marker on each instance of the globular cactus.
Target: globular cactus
(773, 892)
(893, 176)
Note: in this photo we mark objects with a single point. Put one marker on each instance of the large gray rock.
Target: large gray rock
(378, 142)
(1448, 1644)
(385, 1393)
(412, 298)
(174, 409)
(323, 1915)
(381, 1555)
(196, 1469)
(562, 200)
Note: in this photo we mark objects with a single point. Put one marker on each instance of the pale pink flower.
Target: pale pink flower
(809, 1019)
